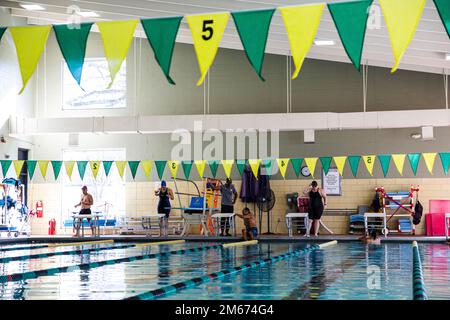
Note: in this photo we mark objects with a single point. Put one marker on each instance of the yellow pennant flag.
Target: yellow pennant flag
(301, 24)
(95, 167)
(402, 18)
(200, 165)
(311, 164)
(173, 166)
(43, 166)
(207, 30)
(340, 164)
(116, 37)
(121, 167)
(429, 160)
(282, 165)
(399, 161)
(227, 166)
(254, 165)
(370, 162)
(18, 164)
(147, 167)
(29, 42)
(69, 165)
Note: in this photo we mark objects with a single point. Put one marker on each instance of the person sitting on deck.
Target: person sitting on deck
(250, 231)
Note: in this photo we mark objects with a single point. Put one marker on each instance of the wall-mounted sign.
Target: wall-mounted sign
(332, 182)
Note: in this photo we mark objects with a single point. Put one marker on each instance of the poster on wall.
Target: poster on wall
(332, 182)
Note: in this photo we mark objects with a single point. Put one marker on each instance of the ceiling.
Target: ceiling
(426, 52)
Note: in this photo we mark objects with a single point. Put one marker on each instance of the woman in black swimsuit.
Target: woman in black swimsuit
(317, 203)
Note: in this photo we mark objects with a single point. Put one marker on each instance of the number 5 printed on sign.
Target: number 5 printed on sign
(207, 30)
(173, 165)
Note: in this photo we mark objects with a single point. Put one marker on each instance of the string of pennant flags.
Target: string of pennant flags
(301, 23)
(227, 165)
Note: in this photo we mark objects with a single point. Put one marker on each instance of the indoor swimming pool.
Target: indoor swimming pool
(112, 271)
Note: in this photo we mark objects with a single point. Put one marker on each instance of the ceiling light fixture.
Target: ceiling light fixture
(32, 7)
(324, 42)
(88, 14)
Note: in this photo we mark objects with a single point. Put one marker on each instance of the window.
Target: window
(94, 81)
(108, 192)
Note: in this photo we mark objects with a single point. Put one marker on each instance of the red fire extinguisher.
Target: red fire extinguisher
(52, 227)
(39, 209)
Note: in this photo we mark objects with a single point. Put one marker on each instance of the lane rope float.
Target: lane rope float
(51, 245)
(241, 243)
(146, 244)
(174, 288)
(419, 290)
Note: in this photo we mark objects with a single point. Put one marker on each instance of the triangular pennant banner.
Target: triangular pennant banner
(326, 162)
(207, 30)
(340, 164)
(120, 165)
(81, 166)
(2, 32)
(147, 167)
(354, 164)
(56, 165)
(282, 166)
(443, 7)
(445, 160)
(297, 165)
(253, 28)
(227, 166)
(72, 41)
(5, 166)
(18, 164)
(95, 168)
(311, 164)
(268, 166)
(107, 167)
(402, 18)
(301, 24)
(161, 34)
(414, 161)
(369, 161)
(240, 164)
(31, 166)
(429, 160)
(133, 167)
(116, 37)
(399, 161)
(173, 166)
(29, 42)
(160, 166)
(200, 165)
(213, 166)
(385, 160)
(43, 166)
(69, 165)
(187, 166)
(254, 165)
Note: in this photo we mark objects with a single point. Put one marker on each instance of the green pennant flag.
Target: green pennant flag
(187, 166)
(326, 162)
(56, 165)
(253, 28)
(81, 165)
(133, 167)
(385, 160)
(354, 163)
(213, 165)
(31, 167)
(160, 166)
(72, 41)
(5, 166)
(2, 31)
(445, 159)
(443, 8)
(107, 166)
(240, 164)
(161, 34)
(268, 166)
(350, 19)
(297, 165)
(414, 161)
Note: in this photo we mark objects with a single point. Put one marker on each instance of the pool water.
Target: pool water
(348, 270)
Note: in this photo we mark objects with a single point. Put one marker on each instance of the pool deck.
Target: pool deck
(262, 238)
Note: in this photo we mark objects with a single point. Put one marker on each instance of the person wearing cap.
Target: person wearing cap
(165, 195)
(86, 202)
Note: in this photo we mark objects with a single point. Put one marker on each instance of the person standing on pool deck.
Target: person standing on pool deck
(317, 203)
(86, 202)
(165, 195)
(229, 197)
